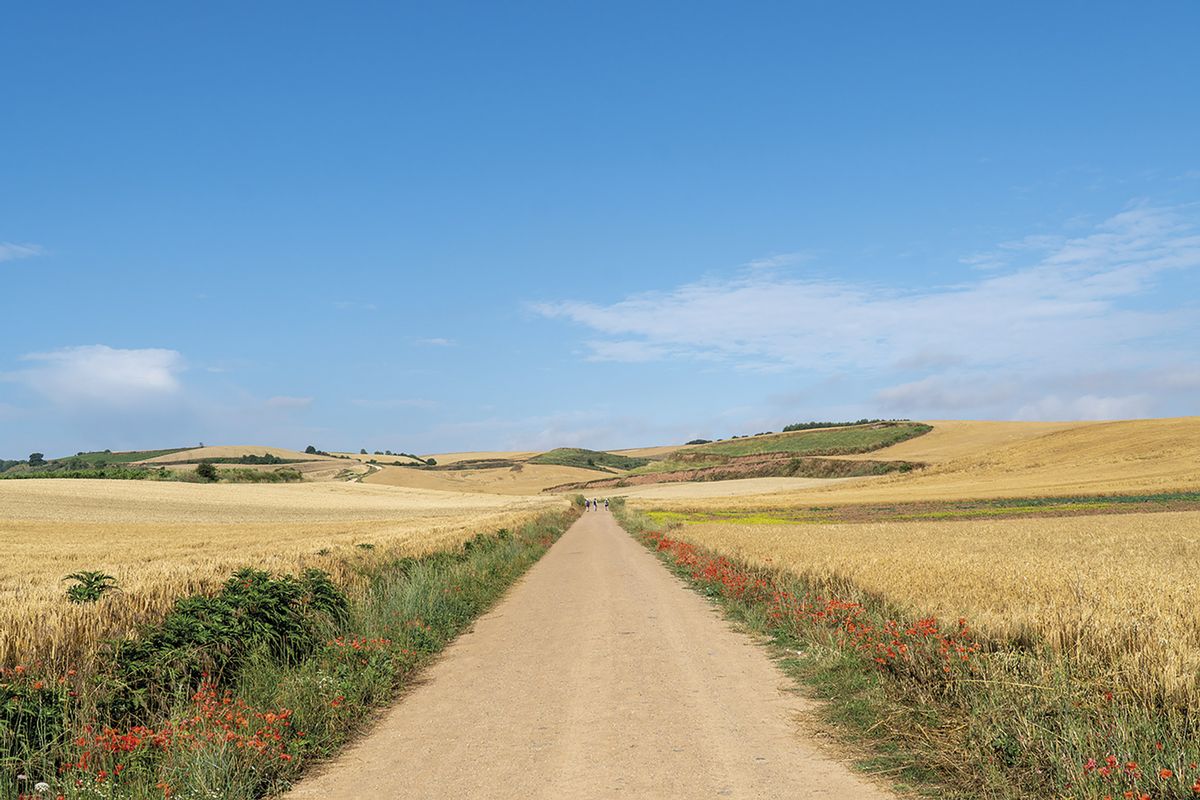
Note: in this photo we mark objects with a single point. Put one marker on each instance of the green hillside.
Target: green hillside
(587, 459)
(821, 441)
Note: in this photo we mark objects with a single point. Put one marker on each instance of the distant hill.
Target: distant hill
(229, 454)
(126, 457)
(587, 459)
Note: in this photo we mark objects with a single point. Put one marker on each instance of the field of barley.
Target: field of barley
(1117, 591)
(164, 540)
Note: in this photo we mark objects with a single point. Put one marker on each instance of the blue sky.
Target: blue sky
(437, 226)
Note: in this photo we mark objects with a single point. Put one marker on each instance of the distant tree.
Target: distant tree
(700, 441)
(36, 459)
(387, 452)
(362, 452)
(310, 450)
(205, 470)
(430, 462)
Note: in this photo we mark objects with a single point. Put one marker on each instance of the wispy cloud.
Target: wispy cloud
(1046, 304)
(12, 252)
(437, 341)
(777, 261)
(102, 376)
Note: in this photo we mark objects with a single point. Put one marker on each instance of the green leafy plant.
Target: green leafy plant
(89, 586)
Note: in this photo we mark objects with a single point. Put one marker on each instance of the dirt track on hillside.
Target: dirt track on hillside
(599, 676)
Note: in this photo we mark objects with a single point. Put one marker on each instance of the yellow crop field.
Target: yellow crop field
(1118, 590)
(234, 451)
(1080, 458)
(481, 455)
(521, 479)
(162, 540)
(954, 439)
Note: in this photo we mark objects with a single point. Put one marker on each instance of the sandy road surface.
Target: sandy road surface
(599, 676)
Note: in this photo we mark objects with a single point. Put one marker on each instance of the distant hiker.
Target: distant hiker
(606, 504)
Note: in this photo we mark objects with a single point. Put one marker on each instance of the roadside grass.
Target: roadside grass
(587, 459)
(233, 695)
(938, 708)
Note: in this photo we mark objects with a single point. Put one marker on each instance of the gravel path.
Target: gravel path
(598, 676)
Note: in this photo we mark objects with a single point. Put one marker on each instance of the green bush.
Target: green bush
(206, 471)
(254, 613)
(89, 586)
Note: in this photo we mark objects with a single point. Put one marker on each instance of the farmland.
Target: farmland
(1065, 549)
(1067, 552)
(163, 540)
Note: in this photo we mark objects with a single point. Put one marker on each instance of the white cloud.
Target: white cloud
(1048, 305)
(11, 252)
(776, 261)
(1090, 407)
(1062, 306)
(102, 376)
(437, 341)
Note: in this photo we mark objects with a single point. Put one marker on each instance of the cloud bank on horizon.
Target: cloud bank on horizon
(1050, 327)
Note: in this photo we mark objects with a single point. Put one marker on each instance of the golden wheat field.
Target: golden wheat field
(520, 479)
(1119, 590)
(162, 540)
(990, 460)
(233, 451)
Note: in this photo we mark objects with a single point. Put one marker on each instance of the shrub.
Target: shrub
(89, 586)
(282, 618)
(206, 471)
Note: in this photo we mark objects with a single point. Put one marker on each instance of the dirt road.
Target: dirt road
(599, 676)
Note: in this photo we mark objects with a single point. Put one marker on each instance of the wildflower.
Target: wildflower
(1165, 773)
